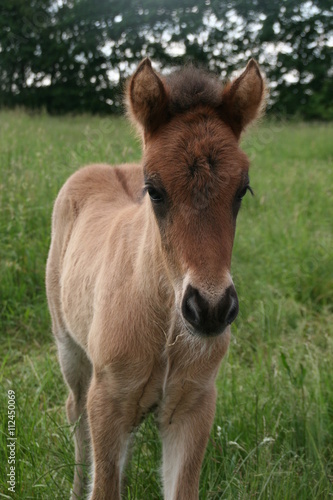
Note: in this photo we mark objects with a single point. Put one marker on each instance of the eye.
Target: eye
(243, 192)
(155, 195)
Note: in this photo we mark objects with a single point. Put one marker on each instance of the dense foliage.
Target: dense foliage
(73, 55)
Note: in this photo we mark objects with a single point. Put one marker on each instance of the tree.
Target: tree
(74, 55)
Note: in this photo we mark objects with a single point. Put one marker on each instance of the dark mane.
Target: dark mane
(190, 87)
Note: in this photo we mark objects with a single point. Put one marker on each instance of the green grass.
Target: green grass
(273, 432)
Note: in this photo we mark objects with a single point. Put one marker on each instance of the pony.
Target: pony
(138, 276)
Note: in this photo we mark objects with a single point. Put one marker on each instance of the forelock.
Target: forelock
(191, 87)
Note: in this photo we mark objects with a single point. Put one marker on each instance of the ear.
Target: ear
(243, 99)
(147, 100)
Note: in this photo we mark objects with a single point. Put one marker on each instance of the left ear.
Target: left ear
(147, 100)
(243, 99)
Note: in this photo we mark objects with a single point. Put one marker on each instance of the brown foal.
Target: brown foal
(138, 276)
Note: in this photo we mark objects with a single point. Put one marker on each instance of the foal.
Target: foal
(138, 276)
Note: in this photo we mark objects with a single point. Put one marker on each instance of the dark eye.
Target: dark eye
(243, 192)
(155, 195)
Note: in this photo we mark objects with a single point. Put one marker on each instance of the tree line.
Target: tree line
(74, 55)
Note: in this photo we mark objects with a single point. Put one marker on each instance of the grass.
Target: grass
(273, 431)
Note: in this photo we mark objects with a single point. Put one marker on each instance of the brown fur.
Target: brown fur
(119, 266)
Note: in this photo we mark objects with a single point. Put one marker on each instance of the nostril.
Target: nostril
(191, 310)
(233, 307)
(194, 307)
(232, 313)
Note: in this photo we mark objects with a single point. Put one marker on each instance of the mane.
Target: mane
(190, 87)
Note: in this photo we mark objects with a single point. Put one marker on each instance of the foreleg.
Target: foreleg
(185, 429)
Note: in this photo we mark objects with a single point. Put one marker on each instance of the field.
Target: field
(273, 431)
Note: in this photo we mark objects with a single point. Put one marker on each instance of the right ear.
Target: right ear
(147, 99)
(243, 99)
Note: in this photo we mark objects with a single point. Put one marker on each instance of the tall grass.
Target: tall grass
(273, 431)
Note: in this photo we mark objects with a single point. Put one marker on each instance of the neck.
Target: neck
(150, 267)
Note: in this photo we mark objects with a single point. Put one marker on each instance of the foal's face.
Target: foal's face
(196, 177)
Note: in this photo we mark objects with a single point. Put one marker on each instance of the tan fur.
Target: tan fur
(116, 276)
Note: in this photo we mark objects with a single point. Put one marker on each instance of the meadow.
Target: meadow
(273, 431)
